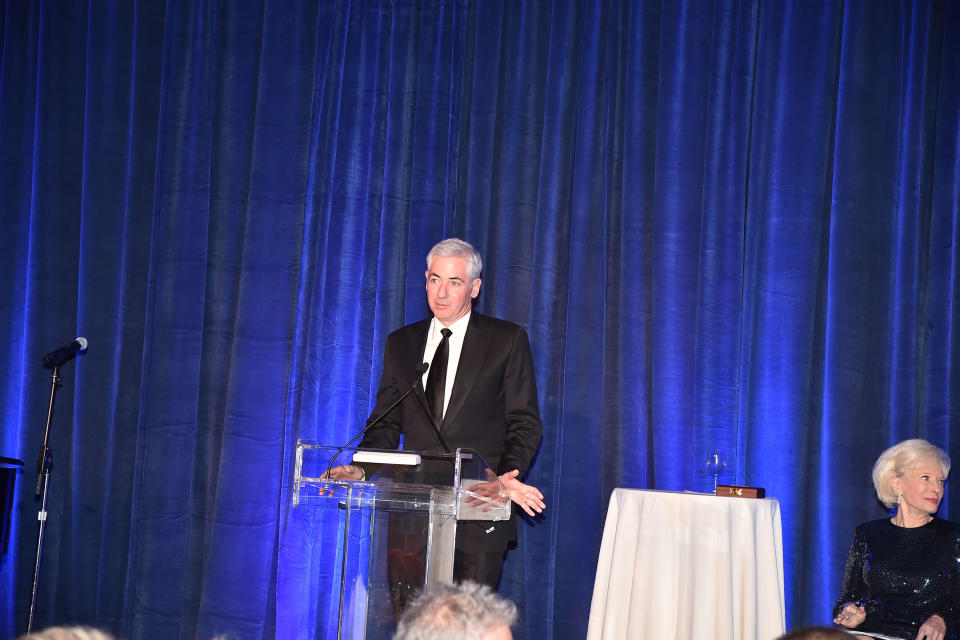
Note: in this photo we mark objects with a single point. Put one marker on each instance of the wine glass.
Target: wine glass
(716, 464)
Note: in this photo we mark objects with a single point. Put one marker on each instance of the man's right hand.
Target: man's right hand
(346, 472)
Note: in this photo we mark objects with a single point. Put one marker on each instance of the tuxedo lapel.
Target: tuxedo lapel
(475, 343)
(423, 330)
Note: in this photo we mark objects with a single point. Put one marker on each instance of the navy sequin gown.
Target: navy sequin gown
(903, 576)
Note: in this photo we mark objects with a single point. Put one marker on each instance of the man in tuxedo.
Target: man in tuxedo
(484, 397)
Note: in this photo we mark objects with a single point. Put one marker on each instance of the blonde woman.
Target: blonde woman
(901, 578)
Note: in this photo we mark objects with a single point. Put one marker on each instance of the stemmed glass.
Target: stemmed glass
(716, 464)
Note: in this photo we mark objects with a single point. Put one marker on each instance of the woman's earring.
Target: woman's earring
(899, 497)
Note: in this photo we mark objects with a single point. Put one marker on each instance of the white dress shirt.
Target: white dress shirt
(458, 330)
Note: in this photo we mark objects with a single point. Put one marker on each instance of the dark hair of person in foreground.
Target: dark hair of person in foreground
(816, 633)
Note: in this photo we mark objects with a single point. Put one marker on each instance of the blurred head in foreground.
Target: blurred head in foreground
(816, 633)
(468, 610)
(68, 633)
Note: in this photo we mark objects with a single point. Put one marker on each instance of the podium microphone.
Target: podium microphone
(421, 369)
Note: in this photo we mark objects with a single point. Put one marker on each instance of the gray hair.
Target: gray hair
(461, 249)
(68, 633)
(899, 459)
(468, 611)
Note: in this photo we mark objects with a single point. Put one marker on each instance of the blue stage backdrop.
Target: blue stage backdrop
(724, 224)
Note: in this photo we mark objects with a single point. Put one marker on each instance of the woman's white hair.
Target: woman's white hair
(899, 459)
(461, 249)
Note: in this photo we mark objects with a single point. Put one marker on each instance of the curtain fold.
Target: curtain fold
(725, 225)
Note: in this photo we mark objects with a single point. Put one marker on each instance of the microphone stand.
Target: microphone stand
(44, 464)
(420, 370)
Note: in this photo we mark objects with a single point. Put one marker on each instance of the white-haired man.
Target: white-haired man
(484, 398)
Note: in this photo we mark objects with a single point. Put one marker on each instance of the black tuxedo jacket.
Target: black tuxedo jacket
(492, 408)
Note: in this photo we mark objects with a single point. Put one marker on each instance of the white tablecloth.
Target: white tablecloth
(688, 566)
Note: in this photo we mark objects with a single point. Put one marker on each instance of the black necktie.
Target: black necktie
(437, 378)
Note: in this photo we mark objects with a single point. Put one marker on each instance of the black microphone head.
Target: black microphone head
(422, 369)
(58, 356)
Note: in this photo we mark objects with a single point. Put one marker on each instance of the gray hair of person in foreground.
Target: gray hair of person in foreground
(816, 633)
(467, 610)
(68, 633)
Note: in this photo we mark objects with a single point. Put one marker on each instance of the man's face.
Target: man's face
(449, 288)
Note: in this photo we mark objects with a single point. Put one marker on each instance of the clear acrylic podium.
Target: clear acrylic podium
(401, 520)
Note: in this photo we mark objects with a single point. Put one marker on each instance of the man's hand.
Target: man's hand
(935, 628)
(345, 472)
(527, 496)
(484, 494)
(506, 487)
(851, 616)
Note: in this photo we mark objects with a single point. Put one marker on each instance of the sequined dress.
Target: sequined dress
(902, 576)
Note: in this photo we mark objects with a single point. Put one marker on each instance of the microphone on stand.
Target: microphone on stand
(58, 356)
(52, 360)
(421, 369)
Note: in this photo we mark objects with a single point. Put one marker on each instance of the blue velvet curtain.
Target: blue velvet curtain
(724, 224)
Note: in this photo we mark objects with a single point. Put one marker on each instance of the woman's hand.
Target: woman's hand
(851, 616)
(933, 629)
